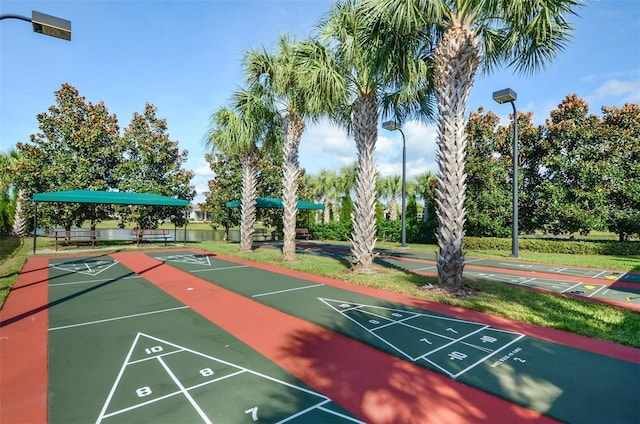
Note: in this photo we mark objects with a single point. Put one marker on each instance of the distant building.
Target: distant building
(197, 214)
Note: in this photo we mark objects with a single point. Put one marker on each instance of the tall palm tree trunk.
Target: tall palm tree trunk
(456, 58)
(249, 195)
(326, 213)
(19, 218)
(293, 126)
(365, 119)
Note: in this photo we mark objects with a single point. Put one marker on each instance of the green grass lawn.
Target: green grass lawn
(590, 319)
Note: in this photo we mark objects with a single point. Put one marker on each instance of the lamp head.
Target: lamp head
(390, 125)
(51, 26)
(504, 96)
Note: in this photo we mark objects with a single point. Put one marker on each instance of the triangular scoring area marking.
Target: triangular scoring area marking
(450, 345)
(186, 259)
(91, 267)
(156, 370)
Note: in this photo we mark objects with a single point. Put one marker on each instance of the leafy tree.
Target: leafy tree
(488, 202)
(8, 194)
(620, 131)
(152, 163)
(77, 148)
(464, 36)
(571, 198)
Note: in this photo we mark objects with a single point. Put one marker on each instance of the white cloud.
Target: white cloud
(627, 91)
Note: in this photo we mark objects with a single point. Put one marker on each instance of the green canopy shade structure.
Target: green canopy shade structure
(109, 197)
(103, 197)
(273, 203)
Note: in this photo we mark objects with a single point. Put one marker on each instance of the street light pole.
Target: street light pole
(504, 96)
(393, 126)
(45, 24)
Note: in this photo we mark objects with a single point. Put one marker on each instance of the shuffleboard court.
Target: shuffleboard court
(561, 381)
(123, 351)
(613, 287)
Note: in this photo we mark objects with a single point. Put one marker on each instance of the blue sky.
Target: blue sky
(184, 57)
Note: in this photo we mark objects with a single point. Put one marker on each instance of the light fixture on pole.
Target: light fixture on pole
(45, 24)
(393, 126)
(504, 96)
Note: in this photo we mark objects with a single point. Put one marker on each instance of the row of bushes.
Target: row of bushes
(424, 233)
(574, 247)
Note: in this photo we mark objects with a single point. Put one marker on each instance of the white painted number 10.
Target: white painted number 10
(153, 349)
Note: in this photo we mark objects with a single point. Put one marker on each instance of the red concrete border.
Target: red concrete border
(373, 385)
(24, 327)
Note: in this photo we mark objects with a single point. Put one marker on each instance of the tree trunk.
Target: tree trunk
(456, 58)
(326, 213)
(249, 195)
(365, 120)
(19, 218)
(293, 126)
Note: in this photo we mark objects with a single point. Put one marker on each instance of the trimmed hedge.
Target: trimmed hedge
(575, 247)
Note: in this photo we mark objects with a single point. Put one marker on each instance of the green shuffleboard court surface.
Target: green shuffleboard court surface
(123, 351)
(562, 382)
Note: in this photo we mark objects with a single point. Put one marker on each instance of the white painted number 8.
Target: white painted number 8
(206, 372)
(143, 391)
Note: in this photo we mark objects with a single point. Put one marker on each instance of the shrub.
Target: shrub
(575, 247)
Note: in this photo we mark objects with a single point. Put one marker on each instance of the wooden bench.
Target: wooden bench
(303, 233)
(140, 235)
(75, 235)
(261, 234)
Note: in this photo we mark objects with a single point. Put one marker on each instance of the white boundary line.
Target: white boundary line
(117, 318)
(219, 269)
(95, 281)
(185, 392)
(288, 290)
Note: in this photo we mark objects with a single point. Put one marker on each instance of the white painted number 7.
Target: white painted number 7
(254, 413)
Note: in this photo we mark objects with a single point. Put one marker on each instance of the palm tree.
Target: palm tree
(327, 187)
(240, 132)
(466, 35)
(393, 189)
(279, 73)
(425, 189)
(370, 86)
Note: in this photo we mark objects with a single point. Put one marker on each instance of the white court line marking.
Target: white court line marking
(287, 290)
(569, 288)
(487, 357)
(94, 281)
(600, 274)
(473, 260)
(597, 291)
(453, 341)
(117, 318)
(339, 414)
(426, 267)
(219, 269)
(113, 388)
(90, 272)
(527, 281)
(322, 399)
(185, 392)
